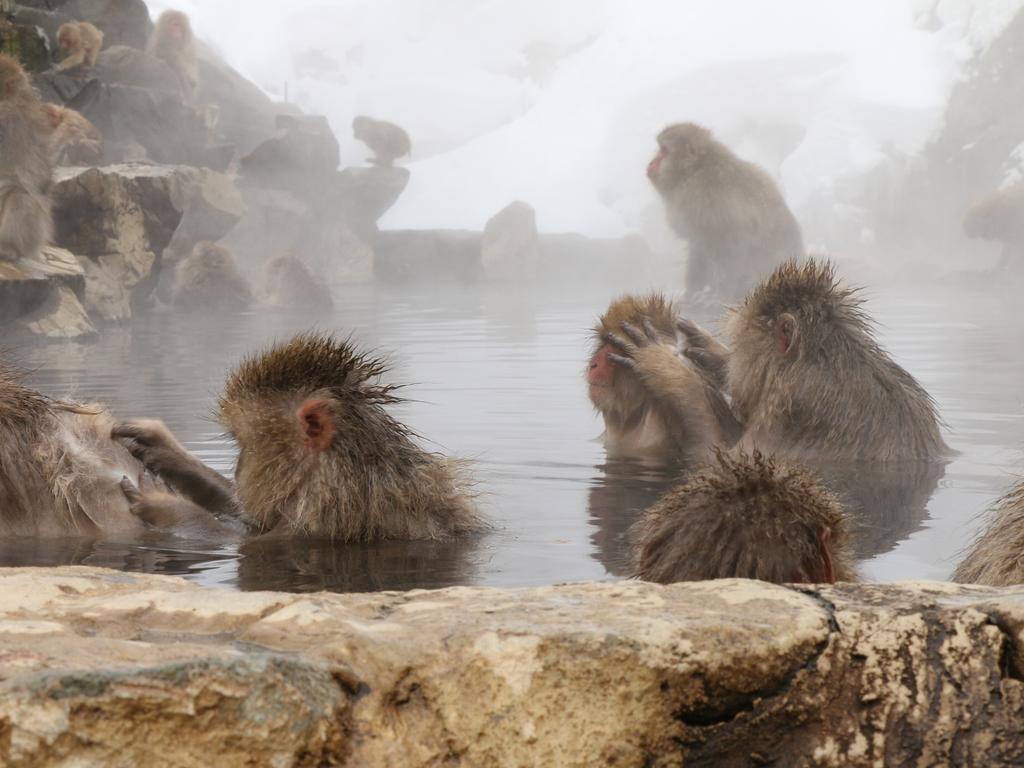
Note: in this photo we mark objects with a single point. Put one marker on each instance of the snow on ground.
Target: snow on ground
(557, 103)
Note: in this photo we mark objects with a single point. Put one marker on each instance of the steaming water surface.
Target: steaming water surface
(495, 376)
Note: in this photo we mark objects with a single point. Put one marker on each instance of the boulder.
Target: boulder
(154, 670)
(510, 246)
(43, 296)
(118, 220)
(427, 255)
(26, 43)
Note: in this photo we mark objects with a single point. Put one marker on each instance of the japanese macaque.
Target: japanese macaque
(60, 471)
(745, 516)
(649, 410)
(209, 280)
(74, 140)
(996, 557)
(80, 43)
(318, 453)
(171, 41)
(289, 283)
(387, 141)
(25, 166)
(1000, 217)
(730, 211)
(806, 377)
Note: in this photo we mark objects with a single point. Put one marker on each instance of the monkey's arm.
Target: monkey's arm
(702, 413)
(76, 59)
(152, 443)
(165, 511)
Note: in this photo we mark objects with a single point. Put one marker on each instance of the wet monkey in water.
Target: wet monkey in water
(650, 410)
(26, 165)
(80, 43)
(730, 211)
(319, 455)
(745, 516)
(209, 280)
(996, 557)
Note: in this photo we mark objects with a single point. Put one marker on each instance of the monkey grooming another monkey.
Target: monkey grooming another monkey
(172, 42)
(319, 455)
(25, 165)
(996, 557)
(74, 139)
(730, 211)
(209, 280)
(745, 516)
(80, 42)
(806, 377)
(387, 141)
(289, 283)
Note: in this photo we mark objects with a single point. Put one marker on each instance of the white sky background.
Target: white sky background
(556, 102)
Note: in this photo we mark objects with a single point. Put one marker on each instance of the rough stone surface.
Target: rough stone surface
(510, 246)
(118, 220)
(101, 668)
(42, 296)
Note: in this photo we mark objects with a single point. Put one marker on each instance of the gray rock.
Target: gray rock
(427, 255)
(43, 296)
(510, 246)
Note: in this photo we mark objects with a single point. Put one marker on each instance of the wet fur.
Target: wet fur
(209, 280)
(372, 482)
(742, 516)
(996, 557)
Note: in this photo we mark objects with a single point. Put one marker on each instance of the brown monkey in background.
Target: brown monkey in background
(387, 141)
(745, 516)
(806, 377)
(1000, 217)
(996, 557)
(318, 453)
(172, 42)
(25, 165)
(732, 214)
(289, 283)
(209, 280)
(80, 42)
(652, 408)
(74, 140)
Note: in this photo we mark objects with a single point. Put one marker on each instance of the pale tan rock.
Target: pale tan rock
(105, 668)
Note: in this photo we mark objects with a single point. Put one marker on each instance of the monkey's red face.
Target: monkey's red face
(177, 31)
(654, 167)
(64, 41)
(600, 376)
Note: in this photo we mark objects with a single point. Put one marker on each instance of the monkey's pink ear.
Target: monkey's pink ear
(317, 424)
(787, 334)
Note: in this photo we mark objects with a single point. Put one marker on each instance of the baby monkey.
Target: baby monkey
(80, 43)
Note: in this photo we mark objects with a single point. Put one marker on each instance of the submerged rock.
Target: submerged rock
(43, 296)
(98, 663)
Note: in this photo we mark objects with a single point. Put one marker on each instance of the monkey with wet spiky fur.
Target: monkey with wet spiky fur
(730, 211)
(387, 141)
(806, 377)
(996, 557)
(80, 42)
(652, 407)
(745, 516)
(25, 165)
(209, 280)
(319, 455)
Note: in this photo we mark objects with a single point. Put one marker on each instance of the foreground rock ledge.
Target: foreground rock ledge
(102, 668)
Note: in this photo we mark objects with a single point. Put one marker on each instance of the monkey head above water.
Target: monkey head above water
(745, 516)
(651, 408)
(318, 453)
(996, 557)
(730, 211)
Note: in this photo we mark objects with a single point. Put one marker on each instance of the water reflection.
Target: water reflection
(496, 377)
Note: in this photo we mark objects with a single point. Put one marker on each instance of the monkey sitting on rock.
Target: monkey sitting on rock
(318, 453)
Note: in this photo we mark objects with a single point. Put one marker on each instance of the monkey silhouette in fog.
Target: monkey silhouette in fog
(208, 280)
(730, 211)
(1000, 217)
(387, 141)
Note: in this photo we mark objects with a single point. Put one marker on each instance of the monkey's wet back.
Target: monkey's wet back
(496, 376)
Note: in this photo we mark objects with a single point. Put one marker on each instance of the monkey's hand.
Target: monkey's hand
(709, 355)
(166, 512)
(151, 442)
(646, 353)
